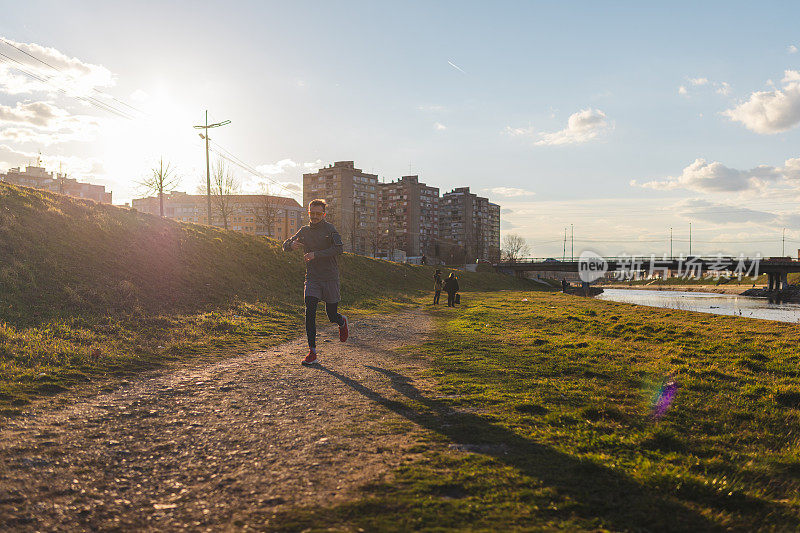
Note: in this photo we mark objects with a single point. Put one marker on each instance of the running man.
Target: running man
(321, 243)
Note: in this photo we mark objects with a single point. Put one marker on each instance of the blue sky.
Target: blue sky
(621, 120)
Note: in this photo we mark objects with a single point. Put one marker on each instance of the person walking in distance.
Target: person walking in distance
(451, 288)
(321, 243)
(437, 286)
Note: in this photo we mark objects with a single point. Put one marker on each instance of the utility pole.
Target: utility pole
(572, 245)
(670, 243)
(564, 254)
(690, 238)
(208, 166)
(783, 244)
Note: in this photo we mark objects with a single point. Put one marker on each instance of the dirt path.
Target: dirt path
(217, 446)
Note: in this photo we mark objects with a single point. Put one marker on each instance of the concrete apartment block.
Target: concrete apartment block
(39, 178)
(256, 214)
(351, 195)
(472, 224)
(409, 216)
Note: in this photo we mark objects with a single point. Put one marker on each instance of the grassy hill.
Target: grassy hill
(88, 288)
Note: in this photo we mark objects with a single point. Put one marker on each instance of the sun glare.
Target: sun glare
(165, 131)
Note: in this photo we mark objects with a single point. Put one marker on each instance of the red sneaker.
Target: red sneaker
(311, 358)
(343, 331)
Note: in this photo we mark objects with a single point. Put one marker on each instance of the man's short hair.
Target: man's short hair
(320, 202)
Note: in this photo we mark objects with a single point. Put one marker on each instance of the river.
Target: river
(718, 304)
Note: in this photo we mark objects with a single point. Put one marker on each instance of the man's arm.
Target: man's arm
(336, 246)
(287, 244)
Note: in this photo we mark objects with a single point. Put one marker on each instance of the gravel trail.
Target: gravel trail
(217, 446)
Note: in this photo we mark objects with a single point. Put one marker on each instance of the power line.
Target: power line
(47, 80)
(69, 75)
(231, 158)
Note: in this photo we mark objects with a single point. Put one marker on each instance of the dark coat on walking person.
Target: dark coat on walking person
(451, 288)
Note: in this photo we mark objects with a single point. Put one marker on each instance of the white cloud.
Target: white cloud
(792, 49)
(276, 168)
(583, 126)
(69, 74)
(703, 176)
(10, 157)
(791, 76)
(723, 88)
(506, 224)
(291, 180)
(720, 87)
(23, 135)
(520, 132)
(770, 112)
(41, 114)
(44, 123)
(432, 108)
(509, 192)
(256, 184)
(719, 213)
(439, 126)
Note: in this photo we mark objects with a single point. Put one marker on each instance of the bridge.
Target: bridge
(776, 268)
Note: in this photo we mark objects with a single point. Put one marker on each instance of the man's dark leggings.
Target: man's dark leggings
(436, 296)
(311, 318)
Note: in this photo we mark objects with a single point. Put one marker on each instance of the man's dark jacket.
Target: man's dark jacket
(326, 243)
(451, 285)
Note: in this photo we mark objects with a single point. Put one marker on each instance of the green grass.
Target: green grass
(90, 290)
(555, 396)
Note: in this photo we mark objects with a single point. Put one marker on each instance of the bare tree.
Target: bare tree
(514, 248)
(265, 210)
(224, 184)
(162, 179)
(375, 236)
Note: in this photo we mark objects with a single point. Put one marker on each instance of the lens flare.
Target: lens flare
(663, 398)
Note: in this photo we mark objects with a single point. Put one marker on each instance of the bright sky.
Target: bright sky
(620, 120)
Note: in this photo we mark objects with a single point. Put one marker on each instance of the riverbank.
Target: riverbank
(718, 289)
(552, 409)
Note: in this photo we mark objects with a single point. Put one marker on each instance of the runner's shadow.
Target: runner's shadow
(598, 492)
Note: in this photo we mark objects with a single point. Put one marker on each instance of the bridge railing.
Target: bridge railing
(653, 257)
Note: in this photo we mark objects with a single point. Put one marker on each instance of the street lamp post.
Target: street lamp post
(208, 166)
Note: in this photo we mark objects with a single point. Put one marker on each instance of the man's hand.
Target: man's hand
(309, 256)
(297, 245)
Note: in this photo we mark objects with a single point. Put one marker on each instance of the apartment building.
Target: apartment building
(39, 178)
(471, 223)
(487, 223)
(256, 214)
(408, 217)
(352, 197)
